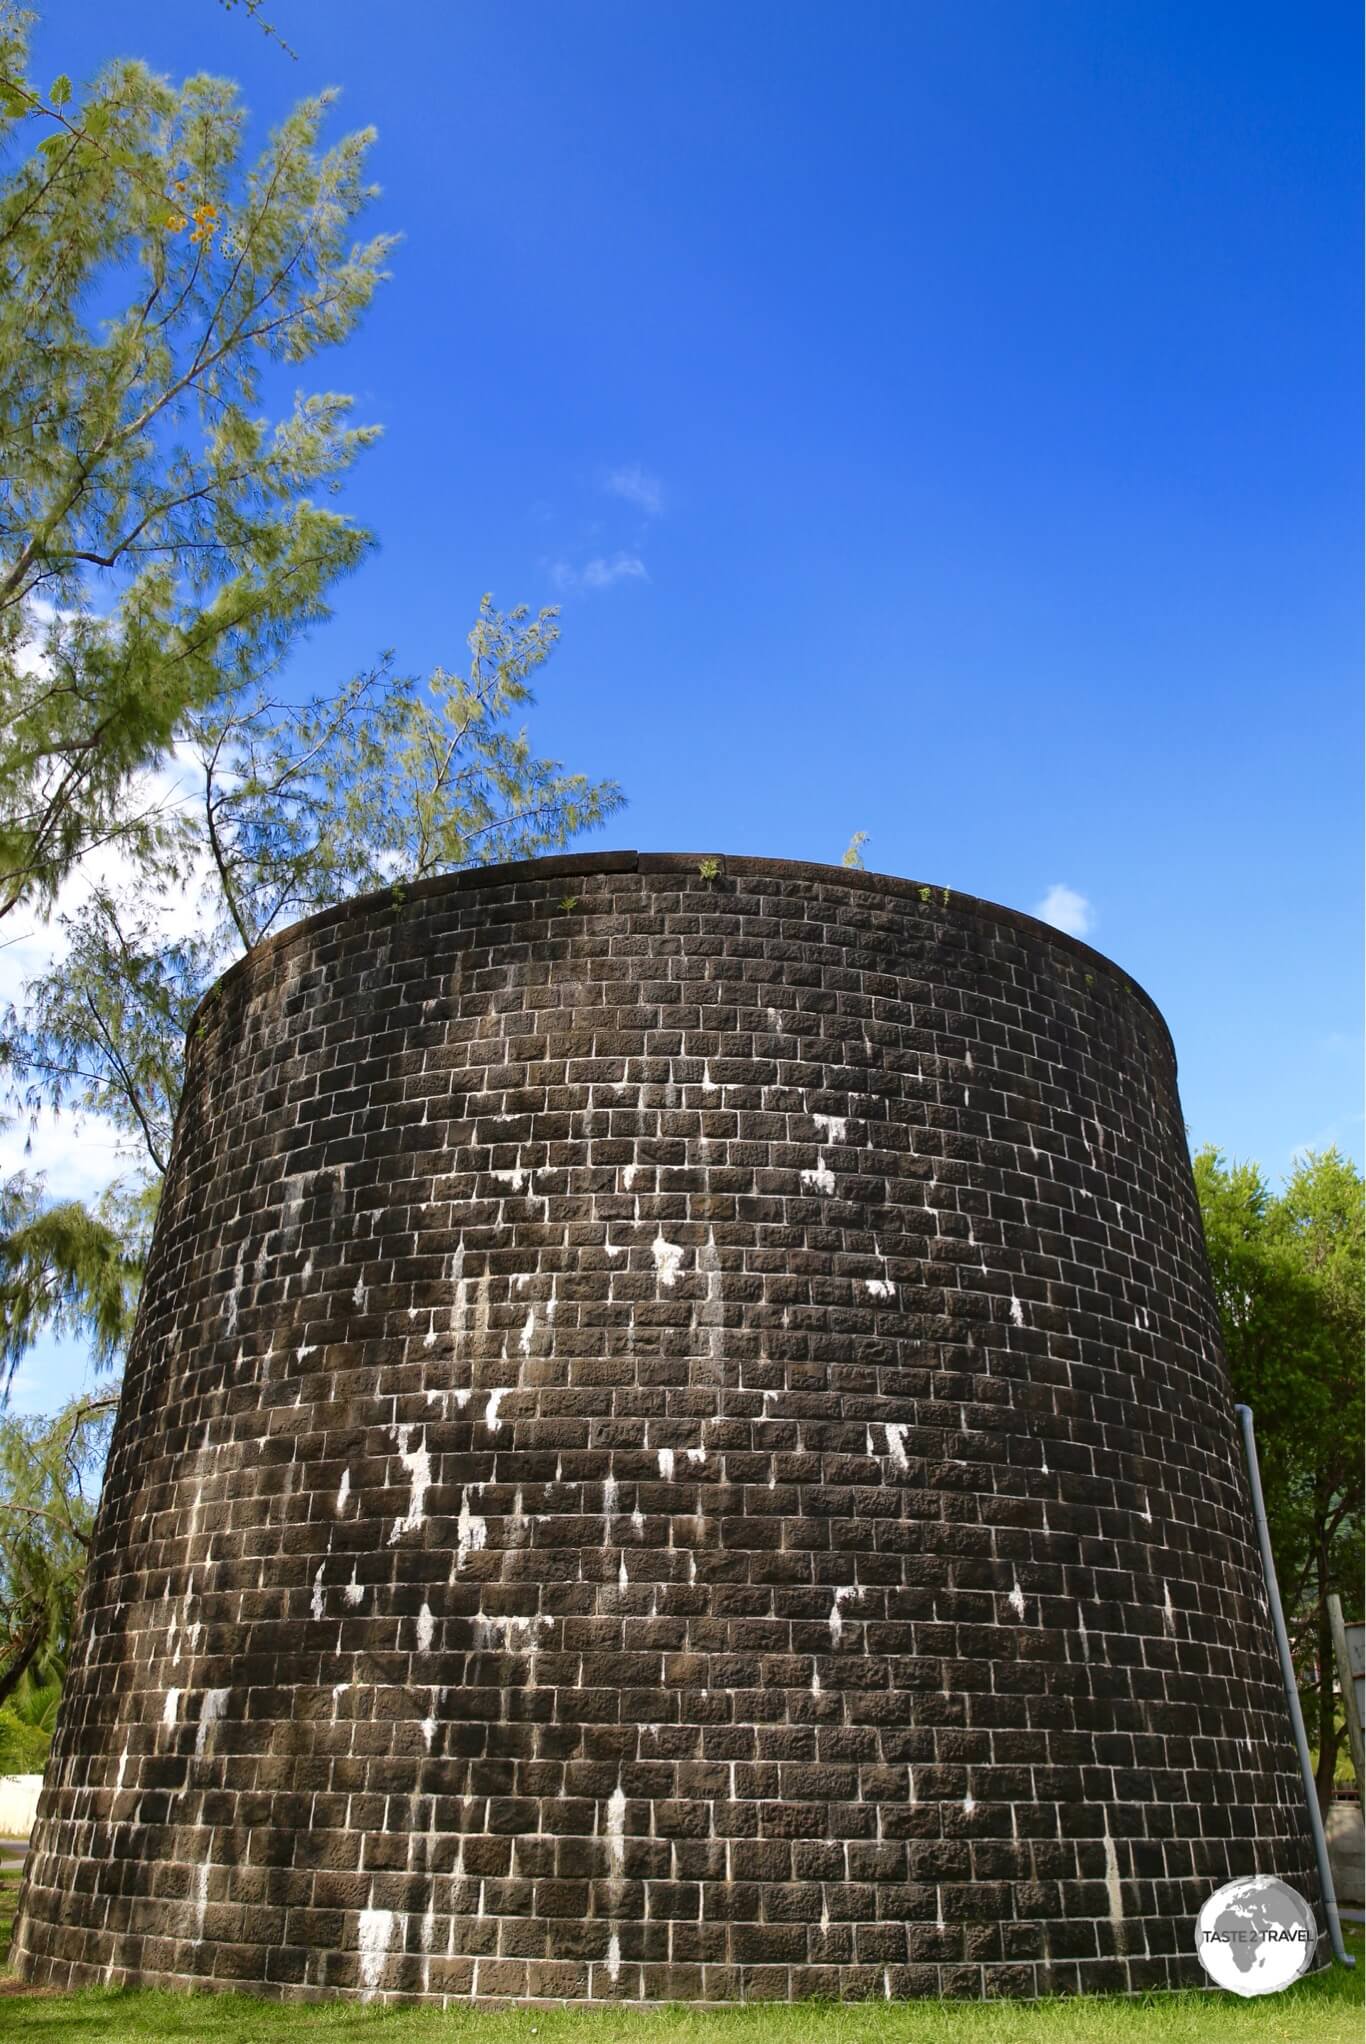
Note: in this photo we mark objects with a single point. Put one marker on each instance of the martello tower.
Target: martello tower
(675, 1447)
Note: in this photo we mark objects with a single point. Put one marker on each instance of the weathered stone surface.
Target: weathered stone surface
(675, 1447)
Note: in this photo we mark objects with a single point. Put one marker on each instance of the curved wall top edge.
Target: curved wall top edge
(673, 863)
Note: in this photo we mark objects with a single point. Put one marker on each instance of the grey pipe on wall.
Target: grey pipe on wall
(1292, 1694)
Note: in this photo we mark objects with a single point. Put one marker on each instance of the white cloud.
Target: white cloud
(599, 573)
(645, 491)
(1066, 910)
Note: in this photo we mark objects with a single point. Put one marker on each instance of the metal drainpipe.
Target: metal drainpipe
(1292, 1694)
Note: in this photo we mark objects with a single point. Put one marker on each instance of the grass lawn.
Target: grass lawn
(1326, 2009)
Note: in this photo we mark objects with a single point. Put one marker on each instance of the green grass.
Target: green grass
(1326, 2009)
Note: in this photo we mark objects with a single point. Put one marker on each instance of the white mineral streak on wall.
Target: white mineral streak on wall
(614, 1958)
(896, 1443)
(698, 1455)
(1147, 1513)
(628, 1176)
(419, 1467)
(832, 1128)
(708, 1083)
(1085, 1636)
(637, 1521)
(880, 1288)
(1168, 1614)
(211, 1710)
(316, 1601)
(343, 1491)
(969, 1805)
(425, 1627)
(842, 1596)
(666, 1464)
(1112, 1887)
(1016, 1309)
(354, 1593)
(518, 1635)
(514, 1179)
(491, 1419)
(668, 1256)
(616, 1836)
(529, 1332)
(123, 1765)
(622, 1578)
(170, 1707)
(815, 1681)
(1016, 1597)
(613, 1248)
(376, 1933)
(471, 1531)
(822, 1179)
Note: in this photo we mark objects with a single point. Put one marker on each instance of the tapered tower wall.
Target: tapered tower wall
(675, 1447)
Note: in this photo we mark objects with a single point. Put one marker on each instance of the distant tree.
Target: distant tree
(162, 542)
(49, 1477)
(1290, 1277)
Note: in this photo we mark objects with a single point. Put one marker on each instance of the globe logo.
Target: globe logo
(1255, 1936)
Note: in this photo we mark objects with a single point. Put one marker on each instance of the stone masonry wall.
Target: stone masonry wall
(675, 1447)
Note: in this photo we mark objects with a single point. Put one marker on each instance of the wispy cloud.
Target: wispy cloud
(638, 487)
(599, 573)
(1066, 910)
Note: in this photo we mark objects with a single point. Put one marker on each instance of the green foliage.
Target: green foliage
(392, 776)
(67, 1269)
(27, 1722)
(1290, 1279)
(710, 869)
(48, 1471)
(162, 542)
(853, 851)
(253, 9)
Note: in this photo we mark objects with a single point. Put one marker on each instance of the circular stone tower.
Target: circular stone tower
(675, 1447)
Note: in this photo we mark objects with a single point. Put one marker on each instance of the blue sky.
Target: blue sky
(937, 419)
